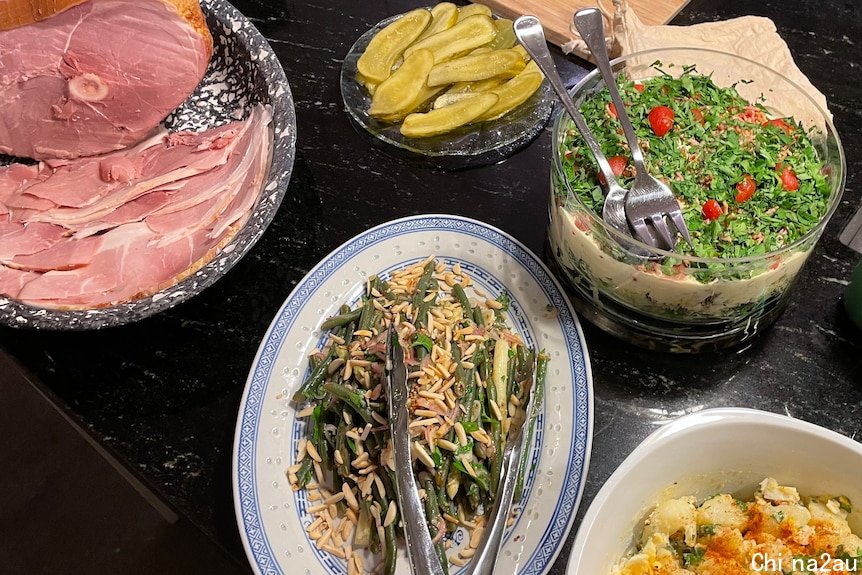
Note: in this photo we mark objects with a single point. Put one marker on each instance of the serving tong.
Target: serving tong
(420, 547)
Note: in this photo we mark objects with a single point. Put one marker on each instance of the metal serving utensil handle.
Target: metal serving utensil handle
(590, 25)
(489, 547)
(530, 33)
(420, 549)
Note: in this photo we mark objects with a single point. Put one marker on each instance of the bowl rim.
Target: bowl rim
(696, 422)
(619, 238)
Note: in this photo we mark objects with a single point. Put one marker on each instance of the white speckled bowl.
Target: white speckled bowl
(244, 71)
(715, 450)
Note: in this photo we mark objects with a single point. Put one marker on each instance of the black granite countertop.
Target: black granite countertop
(163, 393)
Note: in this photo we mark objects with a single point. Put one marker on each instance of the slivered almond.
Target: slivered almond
(349, 497)
(391, 510)
(312, 452)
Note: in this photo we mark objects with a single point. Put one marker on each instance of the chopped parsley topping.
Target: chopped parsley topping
(715, 150)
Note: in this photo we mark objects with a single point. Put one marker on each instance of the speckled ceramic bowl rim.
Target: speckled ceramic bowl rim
(281, 165)
(837, 188)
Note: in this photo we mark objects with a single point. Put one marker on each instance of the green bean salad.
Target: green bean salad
(468, 373)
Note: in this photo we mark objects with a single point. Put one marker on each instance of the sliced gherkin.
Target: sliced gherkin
(369, 85)
(506, 63)
(395, 96)
(389, 44)
(446, 119)
(471, 10)
(512, 94)
(505, 35)
(448, 99)
(522, 51)
(478, 86)
(443, 16)
(466, 35)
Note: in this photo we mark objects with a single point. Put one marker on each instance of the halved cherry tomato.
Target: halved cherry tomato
(661, 120)
(789, 181)
(745, 189)
(779, 123)
(711, 210)
(618, 166)
(612, 110)
(752, 114)
(698, 116)
(639, 88)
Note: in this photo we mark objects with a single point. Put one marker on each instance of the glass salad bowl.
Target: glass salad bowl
(666, 300)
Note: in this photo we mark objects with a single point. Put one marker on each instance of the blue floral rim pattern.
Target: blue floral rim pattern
(258, 546)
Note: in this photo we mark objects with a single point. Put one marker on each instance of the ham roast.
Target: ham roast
(79, 78)
(99, 231)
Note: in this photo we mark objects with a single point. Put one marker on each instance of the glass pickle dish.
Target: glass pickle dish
(469, 146)
(686, 304)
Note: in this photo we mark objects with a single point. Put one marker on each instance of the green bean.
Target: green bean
(473, 499)
(311, 387)
(422, 285)
(305, 473)
(432, 517)
(354, 399)
(342, 319)
(383, 288)
(510, 377)
(465, 303)
(341, 446)
(318, 437)
(391, 550)
(477, 316)
(496, 459)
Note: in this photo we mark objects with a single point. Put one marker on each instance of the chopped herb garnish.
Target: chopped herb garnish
(423, 340)
(694, 557)
(763, 172)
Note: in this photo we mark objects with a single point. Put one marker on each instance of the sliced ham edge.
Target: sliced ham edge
(110, 263)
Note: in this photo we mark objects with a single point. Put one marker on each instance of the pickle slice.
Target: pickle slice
(464, 36)
(369, 85)
(523, 52)
(471, 10)
(443, 16)
(386, 47)
(395, 95)
(448, 99)
(511, 95)
(446, 119)
(505, 35)
(473, 87)
(477, 67)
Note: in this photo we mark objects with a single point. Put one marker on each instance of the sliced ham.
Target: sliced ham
(20, 239)
(12, 280)
(184, 197)
(94, 76)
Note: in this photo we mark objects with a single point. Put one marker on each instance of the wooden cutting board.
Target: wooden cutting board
(556, 15)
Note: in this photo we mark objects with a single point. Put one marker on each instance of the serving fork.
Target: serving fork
(649, 201)
(530, 34)
(516, 442)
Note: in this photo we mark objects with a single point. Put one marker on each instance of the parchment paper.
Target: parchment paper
(751, 37)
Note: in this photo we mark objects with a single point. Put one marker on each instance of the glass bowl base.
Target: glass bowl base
(662, 335)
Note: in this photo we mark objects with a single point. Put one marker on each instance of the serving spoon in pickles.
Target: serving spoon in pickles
(531, 35)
